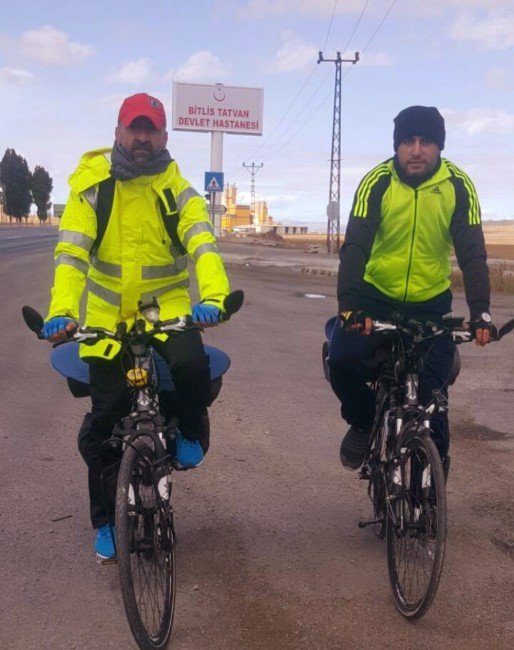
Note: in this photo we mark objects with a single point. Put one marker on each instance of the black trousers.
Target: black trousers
(351, 359)
(351, 362)
(111, 400)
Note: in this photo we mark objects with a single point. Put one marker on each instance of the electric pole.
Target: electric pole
(334, 194)
(253, 169)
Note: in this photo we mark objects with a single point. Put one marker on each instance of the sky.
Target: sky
(65, 68)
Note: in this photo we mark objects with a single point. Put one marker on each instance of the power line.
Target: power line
(303, 86)
(356, 25)
(289, 108)
(292, 123)
(271, 146)
(379, 25)
(328, 95)
(330, 25)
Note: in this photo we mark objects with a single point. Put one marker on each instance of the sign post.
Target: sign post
(217, 109)
(213, 183)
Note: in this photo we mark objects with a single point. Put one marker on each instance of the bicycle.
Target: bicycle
(406, 478)
(145, 531)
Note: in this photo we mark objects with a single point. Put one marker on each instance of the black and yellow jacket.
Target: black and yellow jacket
(399, 238)
(136, 259)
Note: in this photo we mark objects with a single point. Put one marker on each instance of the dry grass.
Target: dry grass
(499, 239)
(501, 277)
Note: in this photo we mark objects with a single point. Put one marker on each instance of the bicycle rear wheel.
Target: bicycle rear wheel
(416, 524)
(145, 547)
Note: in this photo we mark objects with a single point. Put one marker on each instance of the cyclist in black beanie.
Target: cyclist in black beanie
(407, 214)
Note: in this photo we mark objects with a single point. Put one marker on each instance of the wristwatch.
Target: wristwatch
(485, 316)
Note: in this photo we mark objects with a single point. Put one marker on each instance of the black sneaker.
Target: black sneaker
(354, 447)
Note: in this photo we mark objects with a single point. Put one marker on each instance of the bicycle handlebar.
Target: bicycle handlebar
(430, 330)
(34, 321)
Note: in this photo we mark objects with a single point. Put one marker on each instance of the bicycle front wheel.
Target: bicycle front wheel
(145, 547)
(416, 524)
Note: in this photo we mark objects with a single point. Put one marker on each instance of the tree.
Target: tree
(15, 179)
(41, 187)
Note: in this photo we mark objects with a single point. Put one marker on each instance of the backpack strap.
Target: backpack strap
(171, 219)
(104, 203)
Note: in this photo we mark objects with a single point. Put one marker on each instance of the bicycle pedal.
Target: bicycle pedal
(365, 524)
(106, 561)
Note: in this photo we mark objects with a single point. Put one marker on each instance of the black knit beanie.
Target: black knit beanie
(425, 121)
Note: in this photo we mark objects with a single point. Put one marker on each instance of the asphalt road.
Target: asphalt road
(269, 553)
(25, 238)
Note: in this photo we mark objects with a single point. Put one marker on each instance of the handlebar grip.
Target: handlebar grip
(506, 328)
(33, 320)
(233, 303)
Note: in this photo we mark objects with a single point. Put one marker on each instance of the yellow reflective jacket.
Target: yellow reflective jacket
(135, 259)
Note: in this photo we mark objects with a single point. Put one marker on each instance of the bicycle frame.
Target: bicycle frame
(145, 533)
(405, 474)
(397, 403)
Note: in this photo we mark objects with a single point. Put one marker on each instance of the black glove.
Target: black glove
(481, 322)
(357, 316)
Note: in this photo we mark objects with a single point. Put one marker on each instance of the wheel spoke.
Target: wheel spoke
(146, 554)
(415, 529)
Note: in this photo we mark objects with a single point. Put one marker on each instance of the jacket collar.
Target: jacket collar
(439, 174)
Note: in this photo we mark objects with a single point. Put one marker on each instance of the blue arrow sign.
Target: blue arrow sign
(213, 182)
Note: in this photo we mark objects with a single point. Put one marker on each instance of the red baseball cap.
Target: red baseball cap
(142, 105)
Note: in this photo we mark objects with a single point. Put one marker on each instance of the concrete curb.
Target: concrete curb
(313, 270)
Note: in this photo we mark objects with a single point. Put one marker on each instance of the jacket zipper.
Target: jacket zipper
(411, 244)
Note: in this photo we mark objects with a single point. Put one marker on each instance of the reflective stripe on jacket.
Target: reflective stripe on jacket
(135, 259)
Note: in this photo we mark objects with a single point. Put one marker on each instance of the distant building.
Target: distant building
(291, 230)
(238, 217)
(58, 209)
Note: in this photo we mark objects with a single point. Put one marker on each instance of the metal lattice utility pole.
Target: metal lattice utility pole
(334, 195)
(253, 169)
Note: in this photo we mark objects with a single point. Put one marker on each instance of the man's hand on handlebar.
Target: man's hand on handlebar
(356, 321)
(57, 328)
(482, 327)
(206, 314)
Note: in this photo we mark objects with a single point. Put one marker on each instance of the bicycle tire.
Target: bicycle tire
(416, 524)
(377, 496)
(145, 548)
(324, 360)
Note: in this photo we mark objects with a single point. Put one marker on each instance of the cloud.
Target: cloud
(132, 72)
(494, 32)
(480, 121)
(294, 55)
(51, 47)
(262, 8)
(201, 67)
(500, 79)
(12, 77)
(440, 7)
(374, 60)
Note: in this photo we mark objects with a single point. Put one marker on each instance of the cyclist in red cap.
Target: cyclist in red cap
(130, 224)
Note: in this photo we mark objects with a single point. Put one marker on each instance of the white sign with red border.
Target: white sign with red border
(231, 109)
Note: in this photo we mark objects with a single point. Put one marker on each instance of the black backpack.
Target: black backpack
(104, 203)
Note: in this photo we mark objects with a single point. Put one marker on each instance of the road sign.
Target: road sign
(213, 181)
(333, 210)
